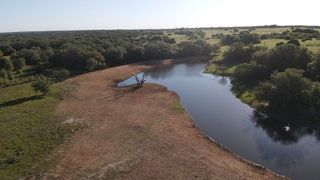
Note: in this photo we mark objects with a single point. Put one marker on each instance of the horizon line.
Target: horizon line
(144, 29)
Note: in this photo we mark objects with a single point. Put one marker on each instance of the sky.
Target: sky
(42, 15)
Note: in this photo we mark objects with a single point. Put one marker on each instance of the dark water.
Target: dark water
(223, 117)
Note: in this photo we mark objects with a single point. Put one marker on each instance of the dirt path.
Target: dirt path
(138, 135)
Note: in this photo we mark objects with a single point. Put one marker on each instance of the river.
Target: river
(223, 117)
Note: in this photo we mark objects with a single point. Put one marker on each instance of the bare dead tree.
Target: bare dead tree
(139, 81)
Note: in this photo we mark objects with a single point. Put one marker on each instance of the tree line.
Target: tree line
(60, 54)
(285, 78)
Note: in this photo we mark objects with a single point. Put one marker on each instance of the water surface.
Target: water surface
(223, 117)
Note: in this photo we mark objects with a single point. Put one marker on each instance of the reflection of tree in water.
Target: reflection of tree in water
(223, 81)
(191, 66)
(275, 128)
(184, 70)
(285, 152)
(160, 72)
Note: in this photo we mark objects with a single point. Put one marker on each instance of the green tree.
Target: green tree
(91, 64)
(190, 48)
(18, 63)
(158, 50)
(286, 92)
(3, 75)
(78, 59)
(239, 53)
(315, 99)
(248, 38)
(313, 68)
(115, 55)
(283, 56)
(6, 49)
(61, 74)
(6, 64)
(32, 56)
(249, 73)
(41, 85)
(134, 53)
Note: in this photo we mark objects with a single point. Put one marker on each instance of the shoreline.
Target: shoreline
(212, 140)
(182, 137)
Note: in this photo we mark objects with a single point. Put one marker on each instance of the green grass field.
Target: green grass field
(270, 30)
(271, 43)
(29, 129)
(313, 45)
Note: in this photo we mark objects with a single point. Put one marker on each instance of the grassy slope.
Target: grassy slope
(29, 129)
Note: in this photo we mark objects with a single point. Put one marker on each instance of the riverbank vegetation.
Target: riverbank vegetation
(281, 79)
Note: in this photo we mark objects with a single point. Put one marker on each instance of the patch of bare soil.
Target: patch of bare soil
(138, 134)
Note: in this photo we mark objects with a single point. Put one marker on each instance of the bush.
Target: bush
(61, 74)
(248, 38)
(90, 64)
(41, 85)
(244, 37)
(239, 53)
(229, 39)
(189, 48)
(249, 73)
(284, 56)
(294, 41)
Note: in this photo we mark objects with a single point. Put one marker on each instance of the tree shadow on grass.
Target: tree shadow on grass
(20, 101)
(122, 92)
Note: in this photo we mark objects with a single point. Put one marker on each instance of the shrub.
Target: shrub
(61, 74)
(239, 53)
(189, 48)
(249, 73)
(294, 41)
(41, 85)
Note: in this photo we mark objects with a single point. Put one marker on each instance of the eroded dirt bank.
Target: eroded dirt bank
(138, 134)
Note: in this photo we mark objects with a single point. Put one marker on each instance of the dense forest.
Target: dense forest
(61, 54)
